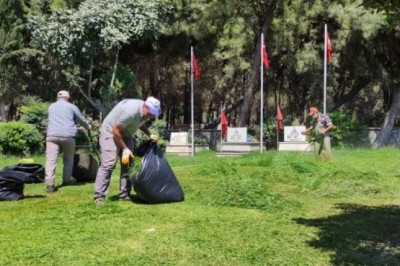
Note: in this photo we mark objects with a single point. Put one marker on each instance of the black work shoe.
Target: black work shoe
(51, 189)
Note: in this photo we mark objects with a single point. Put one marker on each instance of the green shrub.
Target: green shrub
(82, 138)
(269, 136)
(157, 128)
(34, 112)
(347, 131)
(124, 86)
(19, 138)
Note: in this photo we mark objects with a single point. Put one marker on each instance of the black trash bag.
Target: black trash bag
(11, 188)
(85, 168)
(155, 182)
(11, 191)
(9, 194)
(32, 172)
(13, 178)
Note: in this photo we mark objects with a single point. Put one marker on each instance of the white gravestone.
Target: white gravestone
(179, 138)
(294, 133)
(237, 134)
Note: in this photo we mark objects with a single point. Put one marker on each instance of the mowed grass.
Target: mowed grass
(275, 208)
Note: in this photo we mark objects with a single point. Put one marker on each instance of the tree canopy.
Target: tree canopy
(78, 45)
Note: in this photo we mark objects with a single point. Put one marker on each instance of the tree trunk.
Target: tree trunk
(359, 85)
(383, 136)
(3, 113)
(252, 80)
(114, 70)
(89, 91)
(94, 102)
(228, 109)
(249, 88)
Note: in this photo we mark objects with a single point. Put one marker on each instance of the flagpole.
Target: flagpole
(221, 124)
(325, 63)
(261, 93)
(191, 97)
(277, 126)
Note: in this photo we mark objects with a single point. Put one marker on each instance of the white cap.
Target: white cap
(154, 106)
(63, 94)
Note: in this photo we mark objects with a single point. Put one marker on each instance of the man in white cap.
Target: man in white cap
(116, 140)
(61, 131)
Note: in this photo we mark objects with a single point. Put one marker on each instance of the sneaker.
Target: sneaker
(125, 198)
(70, 182)
(51, 189)
(99, 201)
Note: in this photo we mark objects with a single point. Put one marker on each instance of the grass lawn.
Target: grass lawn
(275, 208)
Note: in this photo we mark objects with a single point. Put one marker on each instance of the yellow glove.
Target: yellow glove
(126, 156)
(154, 138)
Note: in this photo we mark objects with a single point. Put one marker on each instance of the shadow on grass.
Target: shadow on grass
(360, 235)
(136, 200)
(133, 199)
(80, 183)
(34, 197)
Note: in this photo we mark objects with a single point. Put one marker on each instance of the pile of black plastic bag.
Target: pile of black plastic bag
(13, 179)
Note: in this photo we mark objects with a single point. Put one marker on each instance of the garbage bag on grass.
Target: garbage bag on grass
(24, 172)
(13, 178)
(11, 190)
(155, 182)
(85, 168)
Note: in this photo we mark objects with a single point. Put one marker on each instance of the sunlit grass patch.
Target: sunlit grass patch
(272, 208)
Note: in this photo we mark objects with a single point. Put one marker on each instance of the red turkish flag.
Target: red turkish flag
(224, 124)
(279, 118)
(264, 57)
(329, 48)
(195, 68)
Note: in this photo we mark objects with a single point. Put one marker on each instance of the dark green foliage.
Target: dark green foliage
(124, 86)
(85, 142)
(157, 128)
(346, 131)
(62, 4)
(270, 132)
(34, 111)
(93, 28)
(82, 138)
(391, 8)
(224, 34)
(19, 138)
(14, 52)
